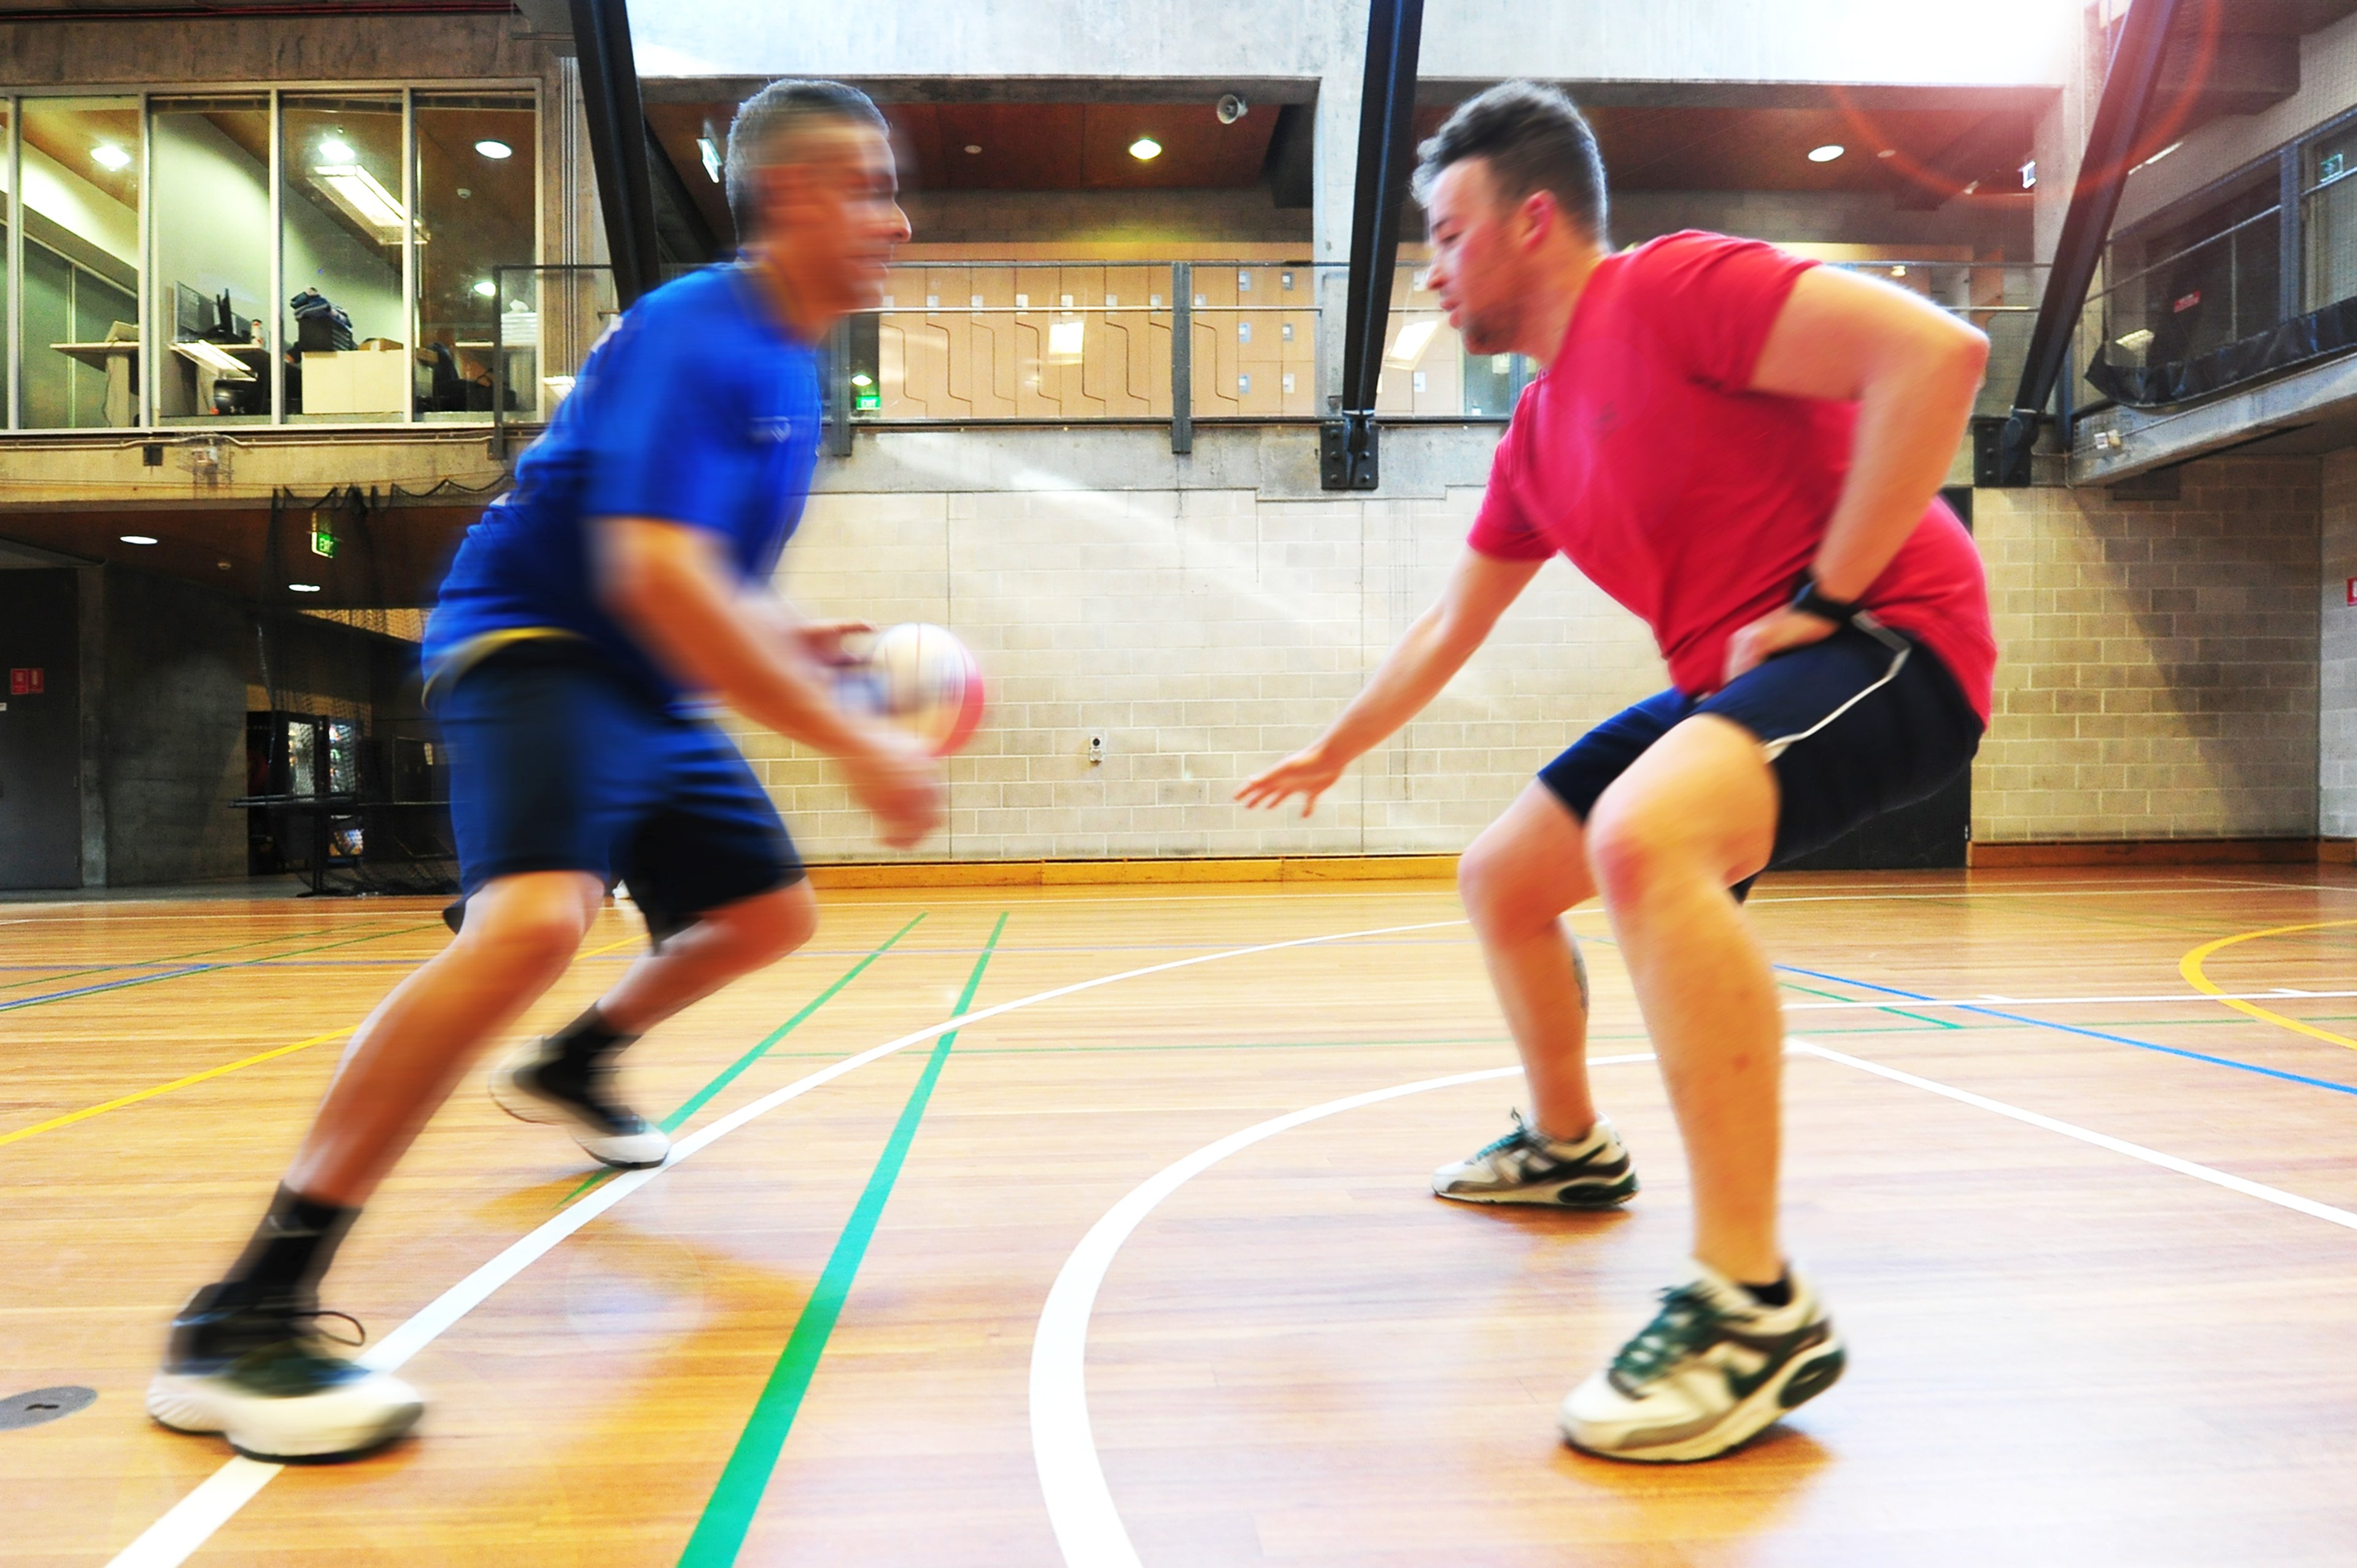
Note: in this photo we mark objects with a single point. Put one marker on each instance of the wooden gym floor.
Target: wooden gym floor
(2087, 1227)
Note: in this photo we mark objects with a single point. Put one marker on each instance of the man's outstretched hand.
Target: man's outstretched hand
(1308, 773)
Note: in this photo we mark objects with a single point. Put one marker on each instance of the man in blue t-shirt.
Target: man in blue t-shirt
(630, 566)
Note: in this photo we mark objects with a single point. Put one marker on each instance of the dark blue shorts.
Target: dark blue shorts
(558, 762)
(1856, 726)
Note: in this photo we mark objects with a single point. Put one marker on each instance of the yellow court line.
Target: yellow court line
(2189, 966)
(87, 1112)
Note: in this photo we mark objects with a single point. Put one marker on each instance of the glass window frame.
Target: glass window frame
(144, 417)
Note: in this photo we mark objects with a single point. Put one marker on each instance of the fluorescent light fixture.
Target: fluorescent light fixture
(1064, 339)
(1827, 153)
(304, 588)
(107, 155)
(2135, 342)
(710, 153)
(336, 150)
(139, 539)
(492, 147)
(863, 380)
(364, 201)
(1409, 347)
(487, 288)
(1144, 149)
(2158, 156)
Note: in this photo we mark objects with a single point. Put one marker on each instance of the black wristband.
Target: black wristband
(1813, 600)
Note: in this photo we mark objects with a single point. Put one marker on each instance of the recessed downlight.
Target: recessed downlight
(304, 588)
(107, 155)
(139, 539)
(1827, 153)
(493, 147)
(973, 147)
(336, 150)
(1144, 149)
(487, 288)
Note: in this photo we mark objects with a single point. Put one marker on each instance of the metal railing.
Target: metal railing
(2216, 291)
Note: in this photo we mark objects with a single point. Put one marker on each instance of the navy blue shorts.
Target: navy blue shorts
(1856, 726)
(558, 762)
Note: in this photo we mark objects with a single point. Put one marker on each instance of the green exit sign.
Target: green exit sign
(323, 537)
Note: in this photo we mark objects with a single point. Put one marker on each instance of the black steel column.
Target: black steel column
(2111, 145)
(1182, 357)
(617, 142)
(1386, 159)
(2291, 238)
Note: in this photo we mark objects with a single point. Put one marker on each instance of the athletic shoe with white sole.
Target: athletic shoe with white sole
(1710, 1371)
(1528, 1167)
(532, 1086)
(254, 1373)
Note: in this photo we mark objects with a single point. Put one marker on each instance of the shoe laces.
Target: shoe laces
(1524, 1136)
(1687, 1323)
(314, 1315)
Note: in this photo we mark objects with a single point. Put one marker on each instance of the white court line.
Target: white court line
(1904, 1004)
(1088, 1527)
(186, 1525)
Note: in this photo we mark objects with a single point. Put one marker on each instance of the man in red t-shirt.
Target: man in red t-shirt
(1745, 451)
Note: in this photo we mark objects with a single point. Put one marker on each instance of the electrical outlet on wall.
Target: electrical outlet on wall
(1096, 750)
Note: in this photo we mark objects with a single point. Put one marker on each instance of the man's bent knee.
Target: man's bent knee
(535, 919)
(1526, 869)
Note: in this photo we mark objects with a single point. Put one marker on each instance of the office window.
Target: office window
(477, 181)
(210, 184)
(343, 222)
(79, 352)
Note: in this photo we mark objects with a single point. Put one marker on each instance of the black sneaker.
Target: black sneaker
(1528, 1167)
(532, 1086)
(260, 1374)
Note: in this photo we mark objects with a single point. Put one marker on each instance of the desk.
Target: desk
(121, 363)
(207, 365)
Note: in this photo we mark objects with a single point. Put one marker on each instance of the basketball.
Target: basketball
(922, 679)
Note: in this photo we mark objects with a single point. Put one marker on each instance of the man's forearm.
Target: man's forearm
(1908, 427)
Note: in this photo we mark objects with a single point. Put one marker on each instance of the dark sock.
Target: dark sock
(583, 1050)
(291, 1249)
(1778, 1295)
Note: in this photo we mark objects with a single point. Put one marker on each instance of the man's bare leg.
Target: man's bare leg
(1517, 879)
(1695, 813)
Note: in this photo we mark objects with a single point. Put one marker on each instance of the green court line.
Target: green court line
(729, 1515)
(200, 953)
(1899, 1012)
(729, 1074)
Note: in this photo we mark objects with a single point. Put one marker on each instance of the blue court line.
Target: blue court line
(109, 985)
(2091, 1034)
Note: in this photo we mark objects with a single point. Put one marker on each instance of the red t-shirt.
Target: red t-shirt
(1642, 456)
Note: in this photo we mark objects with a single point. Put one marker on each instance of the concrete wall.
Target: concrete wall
(2158, 677)
(2337, 652)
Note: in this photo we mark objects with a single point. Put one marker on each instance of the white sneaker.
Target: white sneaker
(1528, 1167)
(1711, 1369)
(613, 1134)
(250, 1373)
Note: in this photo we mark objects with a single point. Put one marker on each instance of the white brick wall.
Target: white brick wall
(2159, 673)
(2337, 704)
(1203, 634)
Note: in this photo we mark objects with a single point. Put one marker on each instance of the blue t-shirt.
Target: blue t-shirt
(697, 409)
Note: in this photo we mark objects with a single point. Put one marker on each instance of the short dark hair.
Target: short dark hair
(1533, 138)
(768, 117)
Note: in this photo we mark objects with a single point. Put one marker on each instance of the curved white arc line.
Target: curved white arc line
(191, 1522)
(1088, 1528)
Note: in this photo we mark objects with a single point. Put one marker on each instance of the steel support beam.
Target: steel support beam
(618, 143)
(2111, 149)
(1386, 158)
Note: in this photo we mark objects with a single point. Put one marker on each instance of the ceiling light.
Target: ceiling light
(1827, 153)
(2135, 341)
(2160, 155)
(1887, 153)
(336, 150)
(1409, 347)
(364, 201)
(139, 539)
(487, 288)
(106, 154)
(710, 153)
(1899, 272)
(1144, 149)
(863, 380)
(973, 147)
(492, 147)
(304, 588)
